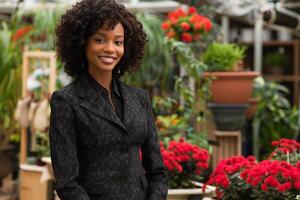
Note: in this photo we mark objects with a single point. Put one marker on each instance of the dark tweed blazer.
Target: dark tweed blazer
(96, 156)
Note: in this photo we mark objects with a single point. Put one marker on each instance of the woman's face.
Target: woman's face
(105, 49)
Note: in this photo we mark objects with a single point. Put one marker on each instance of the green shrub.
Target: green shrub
(275, 59)
(222, 56)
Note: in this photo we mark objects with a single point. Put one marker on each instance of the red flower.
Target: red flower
(171, 34)
(165, 26)
(192, 10)
(186, 37)
(185, 26)
(270, 180)
(183, 159)
(264, 187)
(207, 25)
(21, 32)
(297, 185)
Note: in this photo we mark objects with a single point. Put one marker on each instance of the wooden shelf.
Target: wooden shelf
(282, 77)
(291, 78)
(273, 43)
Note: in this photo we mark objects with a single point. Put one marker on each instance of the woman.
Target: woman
(98, 125)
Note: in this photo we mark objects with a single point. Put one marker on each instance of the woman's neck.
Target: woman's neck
(103, 78)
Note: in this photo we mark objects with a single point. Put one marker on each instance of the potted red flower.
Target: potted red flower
(287, 150)
(243, 179)
(186, 26)
(184, 162)
(228, 180)
(273, 180)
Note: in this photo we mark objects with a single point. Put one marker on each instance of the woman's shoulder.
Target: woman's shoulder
(67, 92)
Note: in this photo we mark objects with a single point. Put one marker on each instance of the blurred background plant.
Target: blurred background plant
(277, 118)
(222, 56)
(10, 81)
(156, 69)
(42, 23)
(174, 122)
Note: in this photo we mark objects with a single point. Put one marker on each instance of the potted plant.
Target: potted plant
(184, 162)
(231, 84)
(245, 178)
(275, 62)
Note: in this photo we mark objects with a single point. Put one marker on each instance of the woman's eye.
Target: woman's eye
(99, 40)
(119, 43)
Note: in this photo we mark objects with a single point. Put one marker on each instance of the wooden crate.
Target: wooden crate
(230, 144)
(31, 186)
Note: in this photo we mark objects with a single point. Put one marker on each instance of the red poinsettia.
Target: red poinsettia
(186, 26)
(183, 161)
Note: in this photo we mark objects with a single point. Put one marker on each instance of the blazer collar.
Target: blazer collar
(95, 102)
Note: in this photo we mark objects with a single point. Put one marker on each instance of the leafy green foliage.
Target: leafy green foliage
(275, 59)
(44, 22)
(156, 67)
(10, 80)
(277, 117)
(222, 57)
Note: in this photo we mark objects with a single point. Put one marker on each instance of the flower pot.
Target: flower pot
(184, 194)
(231, 87)
(191, 194)
(229, 117)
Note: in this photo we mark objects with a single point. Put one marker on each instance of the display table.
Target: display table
(36, 183)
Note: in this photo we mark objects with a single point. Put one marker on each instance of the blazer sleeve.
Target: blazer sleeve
(152, 160)
(63, 144)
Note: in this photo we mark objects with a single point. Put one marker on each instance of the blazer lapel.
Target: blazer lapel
(130, 104)
(91, 100)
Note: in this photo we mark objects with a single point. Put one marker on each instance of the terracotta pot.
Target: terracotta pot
(231, 87)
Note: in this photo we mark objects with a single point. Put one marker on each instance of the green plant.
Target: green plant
(276, 116)
(275, 59)
(10, 80)
(222, 56)
(156, 66)
(42, 144)
(43, 22)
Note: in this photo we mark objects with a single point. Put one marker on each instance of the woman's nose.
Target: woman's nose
(109, 47)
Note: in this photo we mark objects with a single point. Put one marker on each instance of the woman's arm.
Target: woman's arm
(152, 160)
(63, 144)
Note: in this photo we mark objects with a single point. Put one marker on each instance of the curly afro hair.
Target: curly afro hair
(83, 20)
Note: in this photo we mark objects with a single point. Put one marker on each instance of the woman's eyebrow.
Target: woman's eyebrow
(103, 34)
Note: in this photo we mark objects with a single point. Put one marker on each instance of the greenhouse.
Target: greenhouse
(149, 99)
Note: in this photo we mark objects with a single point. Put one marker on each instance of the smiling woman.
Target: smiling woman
(99, 126)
